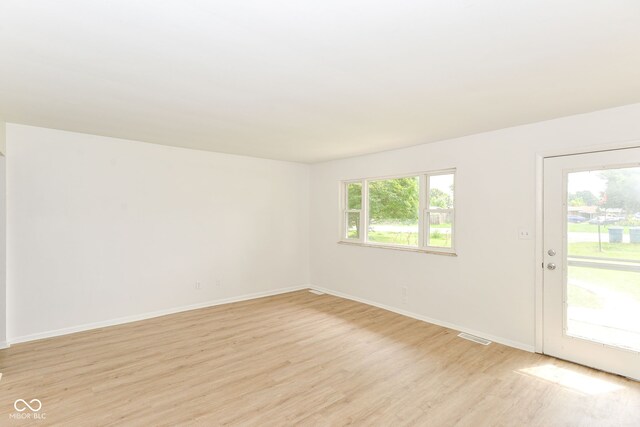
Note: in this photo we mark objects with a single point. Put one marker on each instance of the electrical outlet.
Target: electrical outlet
(405, 294)
(524, 234)
(198, 286)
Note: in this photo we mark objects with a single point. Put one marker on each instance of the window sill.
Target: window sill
(445, 252)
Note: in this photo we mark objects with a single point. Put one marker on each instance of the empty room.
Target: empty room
(319, 213)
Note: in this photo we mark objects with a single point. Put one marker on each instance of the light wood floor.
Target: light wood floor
(301, 359)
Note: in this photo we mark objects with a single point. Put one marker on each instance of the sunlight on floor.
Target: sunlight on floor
(570, 379)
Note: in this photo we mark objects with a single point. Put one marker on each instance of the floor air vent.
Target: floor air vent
(313, 291)
(474, 338)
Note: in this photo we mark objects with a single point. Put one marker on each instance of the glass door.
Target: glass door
(592, 260)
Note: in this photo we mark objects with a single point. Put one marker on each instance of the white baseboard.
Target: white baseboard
(499, 340)
(149, 315)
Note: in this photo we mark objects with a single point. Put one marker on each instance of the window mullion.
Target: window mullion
(422, 220)
(344, 206)
(364, 214)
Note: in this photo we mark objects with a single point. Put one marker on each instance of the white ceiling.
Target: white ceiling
(311, 80)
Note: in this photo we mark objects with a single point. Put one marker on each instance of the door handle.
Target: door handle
(551, 266)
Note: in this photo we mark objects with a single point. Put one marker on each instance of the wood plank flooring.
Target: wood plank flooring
(301, 359)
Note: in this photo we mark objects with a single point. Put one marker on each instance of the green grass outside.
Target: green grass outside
(439, 239)
(579, 297)
(625, 282)
(400, 238)
(630, 251)
(440, 225)
(407, 239)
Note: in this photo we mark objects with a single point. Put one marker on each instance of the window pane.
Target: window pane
(353, 225)
(440, 229)
(354, 195)
(603, 245)
(441, 191)
(393, 211)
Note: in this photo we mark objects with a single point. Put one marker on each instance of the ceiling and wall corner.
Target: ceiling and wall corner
(312, 81)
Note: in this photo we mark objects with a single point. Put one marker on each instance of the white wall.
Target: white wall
(3, 238)
(3, 250)
(3, 127)
(102, 229)
(489, 288)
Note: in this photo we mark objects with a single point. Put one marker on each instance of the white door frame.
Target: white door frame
(539, 240)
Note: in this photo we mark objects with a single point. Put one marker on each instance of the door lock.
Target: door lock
(551, 252)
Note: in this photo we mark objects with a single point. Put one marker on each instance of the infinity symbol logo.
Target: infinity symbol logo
(21, 405)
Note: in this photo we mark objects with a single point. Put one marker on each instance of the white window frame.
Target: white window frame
(424, 212)
(346, 211)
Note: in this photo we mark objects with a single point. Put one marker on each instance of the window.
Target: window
(439, 212)
(394, 209)
(414, 211)
(353, 213)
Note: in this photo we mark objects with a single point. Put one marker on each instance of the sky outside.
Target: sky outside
(586, 181)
